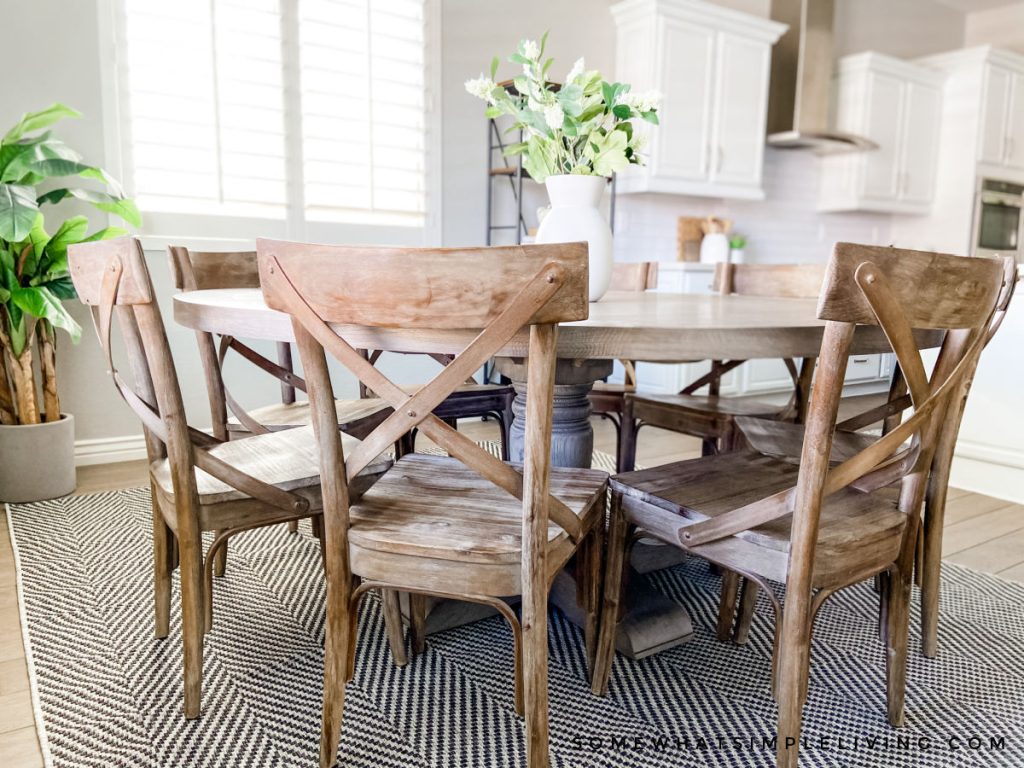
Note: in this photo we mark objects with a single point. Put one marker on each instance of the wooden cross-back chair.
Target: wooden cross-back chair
(608, 400)
(199, 270)
(711, 417)
(467, 526)
(204, 270)
(785, 440)
(198, 482)
(817, 525)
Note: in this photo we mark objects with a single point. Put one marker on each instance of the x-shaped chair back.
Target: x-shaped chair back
(898, 291)
(479, 299)
(204, 270)
(111, 278)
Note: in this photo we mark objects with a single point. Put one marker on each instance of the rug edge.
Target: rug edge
(33, 682)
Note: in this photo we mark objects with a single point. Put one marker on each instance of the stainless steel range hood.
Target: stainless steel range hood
(798, 104)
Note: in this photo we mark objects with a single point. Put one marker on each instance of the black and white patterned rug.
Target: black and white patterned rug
(108, 694)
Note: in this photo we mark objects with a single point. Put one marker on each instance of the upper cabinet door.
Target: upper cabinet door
(741, 106)
(1015, 123)
(922, 116)
(684, 134)
(884, 103)
(995, 111)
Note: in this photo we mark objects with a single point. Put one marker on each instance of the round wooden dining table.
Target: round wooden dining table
(650, 327)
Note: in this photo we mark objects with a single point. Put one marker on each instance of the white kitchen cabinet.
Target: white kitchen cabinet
(1001, 139)
(898, 105)
(711, 65)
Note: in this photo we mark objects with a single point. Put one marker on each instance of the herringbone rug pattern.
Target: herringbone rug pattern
(109, 694)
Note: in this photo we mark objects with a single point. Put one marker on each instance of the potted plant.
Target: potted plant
(36, 438)
(575, 135)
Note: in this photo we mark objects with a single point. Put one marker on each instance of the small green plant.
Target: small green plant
(737, 242)
(34, 277)
(584, 126)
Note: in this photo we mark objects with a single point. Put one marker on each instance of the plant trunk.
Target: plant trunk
(48, 368)
(7, 415)
(24, 385)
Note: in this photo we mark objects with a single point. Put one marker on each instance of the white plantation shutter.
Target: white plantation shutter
(363, 92)
(219, 100)
(206, 106)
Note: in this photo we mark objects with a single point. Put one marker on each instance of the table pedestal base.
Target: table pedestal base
(652, 622)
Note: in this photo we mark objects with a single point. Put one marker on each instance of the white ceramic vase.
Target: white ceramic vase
(574, 216)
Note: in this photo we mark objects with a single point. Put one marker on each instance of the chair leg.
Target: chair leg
(505, 420)
(338, 642)
(393, 626)
(898, 599)
(629, 428)
(609, 617)
(591, 562)
(193, 623)
(931, 569)
(163, 565)
(535, 673)
(220, 561)
(748, 602)
(727, 605)
(293, 526)
(418, 623)
(793, 659)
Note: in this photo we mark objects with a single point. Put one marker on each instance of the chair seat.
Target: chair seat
(785, 439)
(289, 459)
(728, 406)
(354, 416)
(429, 508)
(857, 530)
(612, 388)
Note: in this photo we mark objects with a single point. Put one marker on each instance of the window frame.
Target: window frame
(216, 232)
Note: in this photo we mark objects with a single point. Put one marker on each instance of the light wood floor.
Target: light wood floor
(983, 533)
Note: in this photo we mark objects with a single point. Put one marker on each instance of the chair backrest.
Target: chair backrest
(634, 276)
(784, 281)
(112, 279)
(203, 270)
(899, 291)
(493, 292)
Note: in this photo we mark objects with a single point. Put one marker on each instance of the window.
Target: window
(294, 112)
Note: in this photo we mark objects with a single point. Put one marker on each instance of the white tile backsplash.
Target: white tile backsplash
(785, 227)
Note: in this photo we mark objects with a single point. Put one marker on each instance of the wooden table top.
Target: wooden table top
(656, 327)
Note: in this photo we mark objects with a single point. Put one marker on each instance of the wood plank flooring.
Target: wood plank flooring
(982, 533)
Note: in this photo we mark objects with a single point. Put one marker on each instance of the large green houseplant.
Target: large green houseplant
(37, 172)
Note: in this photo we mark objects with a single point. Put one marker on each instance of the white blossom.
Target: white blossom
(481, 87)
(530, 49)
(554, 116)
(644, 101)
(576, 71)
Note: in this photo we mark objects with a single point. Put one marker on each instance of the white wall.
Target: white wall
(781, 229)
(1001, 27)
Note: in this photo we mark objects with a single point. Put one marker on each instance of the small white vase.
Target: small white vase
(574, 216)
(714, 248)
(736, 256)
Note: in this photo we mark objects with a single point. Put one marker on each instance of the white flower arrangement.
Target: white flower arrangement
(585, 126)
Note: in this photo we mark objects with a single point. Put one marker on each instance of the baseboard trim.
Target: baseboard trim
(109, 450)
(989, 470)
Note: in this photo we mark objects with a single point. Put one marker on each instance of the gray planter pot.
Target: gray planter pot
(37, 461)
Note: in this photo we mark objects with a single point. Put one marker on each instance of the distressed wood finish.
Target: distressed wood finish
(711, 417)
(830, 519)
(467, 526)
(199, 483)
(438, 288)
(609, 400)
(656, 327)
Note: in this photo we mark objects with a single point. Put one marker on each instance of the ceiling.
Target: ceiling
(967, 6)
